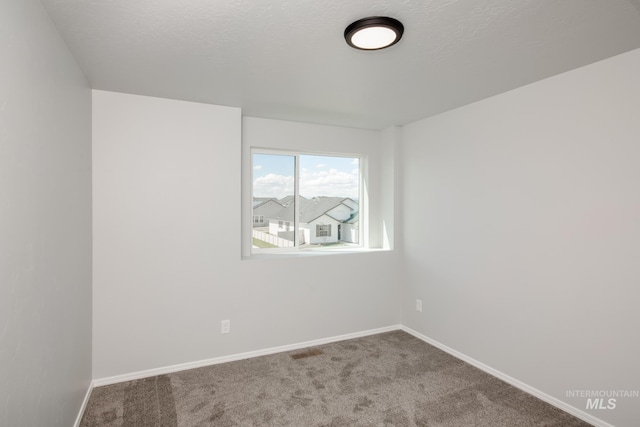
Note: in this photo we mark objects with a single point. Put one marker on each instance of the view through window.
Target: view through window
(304, 201)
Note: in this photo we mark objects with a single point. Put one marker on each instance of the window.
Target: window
(258, 219)
(304, 199)
(323, 230)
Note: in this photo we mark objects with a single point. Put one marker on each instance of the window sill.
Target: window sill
(310, 252)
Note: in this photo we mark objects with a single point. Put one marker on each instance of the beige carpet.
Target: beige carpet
(390, 379)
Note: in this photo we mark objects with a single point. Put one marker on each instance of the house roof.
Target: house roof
(285, 201)
(259, 201)
(318, 206)
(311, 209)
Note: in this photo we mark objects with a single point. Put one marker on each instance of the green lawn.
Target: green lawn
(262, 244)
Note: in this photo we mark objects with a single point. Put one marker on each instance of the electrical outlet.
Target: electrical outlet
(419, 305)
(225, 326)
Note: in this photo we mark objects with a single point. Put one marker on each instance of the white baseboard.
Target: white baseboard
(84, 405)
(232, 358)
(510, 380)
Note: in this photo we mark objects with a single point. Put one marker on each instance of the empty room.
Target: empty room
(319, 213)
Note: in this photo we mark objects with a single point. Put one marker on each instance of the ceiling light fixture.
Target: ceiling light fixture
(374, 33)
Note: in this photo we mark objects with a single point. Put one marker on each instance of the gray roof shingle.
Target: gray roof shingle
(310, 209)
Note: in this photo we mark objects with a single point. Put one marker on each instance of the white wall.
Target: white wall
(522, 232)
(45, 222)
(167, 257)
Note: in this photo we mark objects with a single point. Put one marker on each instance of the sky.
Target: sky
(273, 176)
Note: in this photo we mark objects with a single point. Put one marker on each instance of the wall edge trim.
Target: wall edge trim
(235, 357)
(83, 407)
(578, 413)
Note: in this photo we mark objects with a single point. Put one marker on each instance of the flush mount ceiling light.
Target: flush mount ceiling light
(374, 33)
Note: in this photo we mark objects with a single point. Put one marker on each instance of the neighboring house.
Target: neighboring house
(351, 229)
(351, 203)
(323, 220)
(263, 209)
(281, 224)
(288, 200)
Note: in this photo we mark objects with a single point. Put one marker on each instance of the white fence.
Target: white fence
(274, 240)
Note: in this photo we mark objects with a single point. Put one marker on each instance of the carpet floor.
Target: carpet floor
(389, 379)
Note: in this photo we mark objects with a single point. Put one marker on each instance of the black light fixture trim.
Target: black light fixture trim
(374, 21)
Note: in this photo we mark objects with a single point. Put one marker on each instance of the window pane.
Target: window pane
(273, 201)
(329, 200)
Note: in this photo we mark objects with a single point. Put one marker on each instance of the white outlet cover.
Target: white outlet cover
(225, 326)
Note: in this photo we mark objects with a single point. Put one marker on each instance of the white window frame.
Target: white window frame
(363, 208)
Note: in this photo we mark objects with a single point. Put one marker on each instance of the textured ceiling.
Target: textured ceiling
(287, 59)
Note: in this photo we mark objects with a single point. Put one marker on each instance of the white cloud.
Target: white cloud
(321, 166)
(332, 183)
(273, 185)
(257, 167)
(325, 182)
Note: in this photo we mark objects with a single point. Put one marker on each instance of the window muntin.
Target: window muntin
(307, 200)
